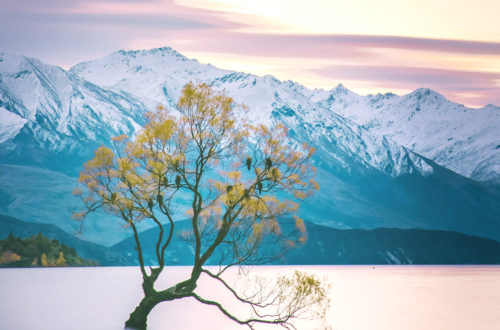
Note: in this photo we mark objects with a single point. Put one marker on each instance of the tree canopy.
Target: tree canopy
(235, 177)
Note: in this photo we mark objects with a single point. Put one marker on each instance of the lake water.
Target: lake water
(363, 297)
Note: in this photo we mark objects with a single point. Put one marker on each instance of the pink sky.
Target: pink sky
(452, 47)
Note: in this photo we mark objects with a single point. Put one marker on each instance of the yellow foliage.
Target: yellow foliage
(314, 184)
(77, 191)
(257, 229)
(163, 130)
(299, 194)
(124, 164)
(120, 138)
(299, 223)
(235, 175)
(78, 216)
(275, 227)
(44, 261)
(9, 256)
(275, 174)
(61, 261)
(103, 157)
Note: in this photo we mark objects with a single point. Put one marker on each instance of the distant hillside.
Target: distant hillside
(330, 246)
(179, 253)
(38, 251)
(84, 249)
(324, 246)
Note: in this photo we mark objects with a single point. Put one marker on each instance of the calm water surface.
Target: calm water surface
(363, 297)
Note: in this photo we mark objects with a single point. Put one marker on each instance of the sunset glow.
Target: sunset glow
(387, 45)
(442, 19)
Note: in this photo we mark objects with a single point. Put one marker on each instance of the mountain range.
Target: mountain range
(411, 161)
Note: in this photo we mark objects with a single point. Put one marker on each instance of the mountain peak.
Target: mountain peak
(340, 89)
(490, 106)
(156, 52)
(425, 93)
(337, 95)
(12, 63)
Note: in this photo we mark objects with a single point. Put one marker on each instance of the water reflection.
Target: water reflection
(363, 297)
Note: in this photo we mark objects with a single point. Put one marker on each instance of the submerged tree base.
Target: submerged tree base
(138, 318)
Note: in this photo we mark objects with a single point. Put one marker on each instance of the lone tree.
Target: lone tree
(231, 172)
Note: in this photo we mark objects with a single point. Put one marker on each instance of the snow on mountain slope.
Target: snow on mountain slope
(161, 73)
(43, 107)
(10, 124)
(155, 76)
(462, 139)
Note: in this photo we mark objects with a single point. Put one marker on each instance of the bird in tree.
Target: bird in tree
(233, 173)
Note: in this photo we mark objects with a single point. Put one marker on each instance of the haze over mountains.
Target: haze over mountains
(412, 161)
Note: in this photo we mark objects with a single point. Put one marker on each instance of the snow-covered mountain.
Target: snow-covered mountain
(163, 72)
(462, 139)
(47, 112)
(62, 112)
(52, 119)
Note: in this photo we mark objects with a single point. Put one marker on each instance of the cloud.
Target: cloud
(303, 45)
(66, 32)
(437, 45)
(468, 80)
(159, 13)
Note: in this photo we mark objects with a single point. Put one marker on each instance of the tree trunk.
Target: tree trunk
(138, 318)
